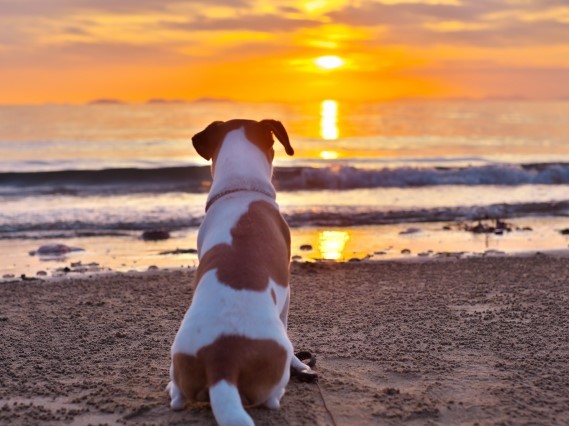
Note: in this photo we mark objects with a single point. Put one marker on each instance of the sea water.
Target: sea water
(380, 180)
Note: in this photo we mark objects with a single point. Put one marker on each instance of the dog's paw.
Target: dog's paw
(177, 401)
(301, 370)
(273, 403)
(297, 365)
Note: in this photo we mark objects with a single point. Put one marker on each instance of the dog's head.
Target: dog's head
(208, 142)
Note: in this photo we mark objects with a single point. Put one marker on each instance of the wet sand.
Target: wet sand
(473, 341)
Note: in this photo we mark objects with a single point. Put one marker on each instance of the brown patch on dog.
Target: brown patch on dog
(255, 366)
(260, 250)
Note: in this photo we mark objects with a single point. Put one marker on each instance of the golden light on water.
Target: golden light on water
(329, 62)
(329, 155)
(332, 244)
(329, 120)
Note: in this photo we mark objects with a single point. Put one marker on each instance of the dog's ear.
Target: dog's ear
(279, 131)
(207, 141)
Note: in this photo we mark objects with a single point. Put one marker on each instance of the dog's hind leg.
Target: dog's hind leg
(295, 363)
(284, 312)
(274, 401)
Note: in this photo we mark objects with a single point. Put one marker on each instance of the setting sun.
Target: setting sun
(371, 50)
(329, 62)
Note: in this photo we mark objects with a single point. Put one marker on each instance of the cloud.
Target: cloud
(512, 34)
(258, 23)
(395, 14)
(63, 7)
(478, 23)
(77, 55)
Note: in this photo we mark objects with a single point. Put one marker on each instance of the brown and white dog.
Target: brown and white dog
(233, 341)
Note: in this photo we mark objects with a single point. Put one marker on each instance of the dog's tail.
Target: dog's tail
(226, 405)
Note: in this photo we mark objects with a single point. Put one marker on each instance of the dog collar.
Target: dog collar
(231, 191)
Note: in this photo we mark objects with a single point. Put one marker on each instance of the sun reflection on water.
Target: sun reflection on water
(332, 244)
(329, 120)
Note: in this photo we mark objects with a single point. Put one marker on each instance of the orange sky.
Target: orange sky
(259, 50)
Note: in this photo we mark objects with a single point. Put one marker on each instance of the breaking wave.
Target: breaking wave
(335, 177)
(324, 216)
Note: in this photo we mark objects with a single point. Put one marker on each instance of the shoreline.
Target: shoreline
(80, 271)
(428, 240)
(476, 340)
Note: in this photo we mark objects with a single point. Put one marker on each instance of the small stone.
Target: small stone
(179, 251)
(41, 273)
(405, 251)
(155, 235)
(153, 268)
(306, 247)
(55, 250)
(410, 231)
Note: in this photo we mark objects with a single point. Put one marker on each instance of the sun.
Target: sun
(329, 62)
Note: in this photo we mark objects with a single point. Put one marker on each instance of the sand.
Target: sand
(475, 341)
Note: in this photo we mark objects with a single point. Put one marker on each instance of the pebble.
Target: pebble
(54, 250)
(155, 235)
(179, 251)
(306, 247)
(410, 231)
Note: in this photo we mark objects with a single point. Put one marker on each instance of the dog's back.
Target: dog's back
(232, 343)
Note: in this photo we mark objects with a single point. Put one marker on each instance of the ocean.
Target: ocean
(368, 181)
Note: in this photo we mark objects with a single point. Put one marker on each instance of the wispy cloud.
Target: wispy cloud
(391, 47)
(476, 23)
(245, 22)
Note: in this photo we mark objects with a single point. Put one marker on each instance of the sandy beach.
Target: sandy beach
(479, 341)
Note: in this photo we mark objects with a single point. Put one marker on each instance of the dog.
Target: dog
(232, 345)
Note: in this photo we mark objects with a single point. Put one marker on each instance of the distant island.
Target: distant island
(207, 99)
(157, 101)
(160, 101)
(507, 98)
(105, 101)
